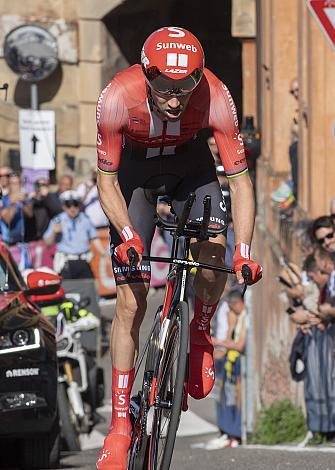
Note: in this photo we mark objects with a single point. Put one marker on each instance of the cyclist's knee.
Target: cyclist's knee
(131, 302)
(211, 277)
(211, 253)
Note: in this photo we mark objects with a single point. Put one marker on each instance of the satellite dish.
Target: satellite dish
(31, 52)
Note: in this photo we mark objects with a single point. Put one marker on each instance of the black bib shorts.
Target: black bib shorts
(142, 180)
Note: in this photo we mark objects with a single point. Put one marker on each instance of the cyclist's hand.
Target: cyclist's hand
(241, 257)
(130, 240)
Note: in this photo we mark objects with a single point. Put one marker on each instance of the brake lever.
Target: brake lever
(247, 276)
(133, 260)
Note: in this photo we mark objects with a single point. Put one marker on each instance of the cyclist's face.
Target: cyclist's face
(171, 106)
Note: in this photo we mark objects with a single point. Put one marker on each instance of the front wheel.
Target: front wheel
(139, 451)
(169, 390)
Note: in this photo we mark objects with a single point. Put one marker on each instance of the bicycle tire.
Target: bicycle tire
(138, 455)
(171, 387)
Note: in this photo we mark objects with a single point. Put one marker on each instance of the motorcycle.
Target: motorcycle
(80, 380)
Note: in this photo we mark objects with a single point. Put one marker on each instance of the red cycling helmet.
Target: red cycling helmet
(172, 61)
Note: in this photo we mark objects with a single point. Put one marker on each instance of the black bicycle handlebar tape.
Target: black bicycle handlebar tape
(206, 218)
(184, 216)
(247, 274)
(133, 259)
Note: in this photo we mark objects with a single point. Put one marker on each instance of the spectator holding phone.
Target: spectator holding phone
(307, 315)
(16, 208)
(45, 207)
(291, 279)
(64, 183)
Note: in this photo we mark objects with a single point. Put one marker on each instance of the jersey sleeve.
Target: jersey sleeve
(112, 117)
(224, 123)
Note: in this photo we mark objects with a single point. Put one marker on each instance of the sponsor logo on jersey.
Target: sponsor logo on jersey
(102, 152)
(100, 100)
(238, 137)
(237, 162)
(103, 161)
(216, 222)
(231, 104)
(175, 45)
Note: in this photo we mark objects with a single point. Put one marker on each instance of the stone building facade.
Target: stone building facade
(290, 44)
(88, 56)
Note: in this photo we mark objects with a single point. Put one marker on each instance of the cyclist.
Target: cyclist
(148, 119)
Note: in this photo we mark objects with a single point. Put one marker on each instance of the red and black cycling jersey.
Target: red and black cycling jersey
(124, 112)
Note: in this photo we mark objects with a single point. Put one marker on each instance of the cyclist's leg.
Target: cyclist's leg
(208, 285)
(130, 309)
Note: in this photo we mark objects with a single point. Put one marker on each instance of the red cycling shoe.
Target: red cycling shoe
(202, 375)
(114, 454)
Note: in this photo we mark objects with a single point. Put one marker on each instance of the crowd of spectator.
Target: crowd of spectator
(310, 291)
(67, 218)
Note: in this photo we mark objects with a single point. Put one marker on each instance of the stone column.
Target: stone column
(100, 58)
(303, 78)
(92, 54)
(282, 38)
(249, 78)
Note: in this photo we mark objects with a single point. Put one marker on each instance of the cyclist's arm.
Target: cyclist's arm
(243, 208)
(223, 120)
(112, 201)
(112, 117)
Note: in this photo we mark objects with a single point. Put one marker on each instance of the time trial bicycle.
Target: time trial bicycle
(156, 409)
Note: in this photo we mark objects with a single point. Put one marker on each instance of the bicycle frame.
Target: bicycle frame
(175, 294)
(175, 289)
